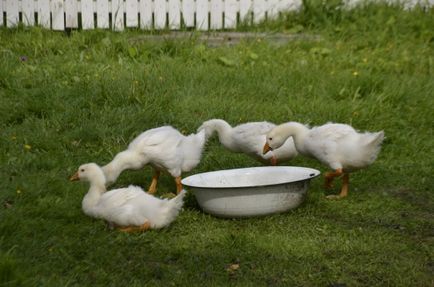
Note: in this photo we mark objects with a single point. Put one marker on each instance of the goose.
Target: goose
(165, 149)
(339, 146)
(248, 138)
(130, 208)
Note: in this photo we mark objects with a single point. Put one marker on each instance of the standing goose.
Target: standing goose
(249, 138)
(165, 149)
(129, 209)
(338, 146)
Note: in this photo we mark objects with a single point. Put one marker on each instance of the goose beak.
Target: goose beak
(266, 149)
(75, 177)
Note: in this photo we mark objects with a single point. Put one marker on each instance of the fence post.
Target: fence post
(202, 14)
(231, 9)
(245, 10)
(71, 14)
(12, 15)
(160, 14)
(118, 15)
(57, 10)
(146, 14)
(28, 12)
(174, 14)
(188, 12)
(131, 10)
(216, 21)
(102, 14)
(259, 9)
(44, 13)
(87, 20)
(1, 13)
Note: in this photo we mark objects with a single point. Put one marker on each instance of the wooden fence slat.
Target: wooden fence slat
(132, 13)
(272, 9)
(57, 16)
(28, 12)
(202, 14)
(289, 5)
(216, 21)
(174, 14)
(102, 14)
(44, 13)
(281, 5)
(12, 16)
(160, 14)
(145, 9)
(245, 10)
(118, 15)
(71, 14)
(87, 14)
(259, 8)
(231, 9)
(188, 12)
(1, 13)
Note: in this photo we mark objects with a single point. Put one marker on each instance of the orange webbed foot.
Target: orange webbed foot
(130, 229)
(344, 189)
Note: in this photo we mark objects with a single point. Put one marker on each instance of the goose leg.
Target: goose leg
(330, 176)
(153, 187)
(178, 184)
(273, 160)
(344, 188)
(142, 227)
(145, 226)
(126, 229)
(345, 185)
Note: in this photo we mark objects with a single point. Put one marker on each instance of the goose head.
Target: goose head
(89, 172)
(274, 140)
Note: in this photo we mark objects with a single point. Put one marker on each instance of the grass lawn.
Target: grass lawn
(68, 100)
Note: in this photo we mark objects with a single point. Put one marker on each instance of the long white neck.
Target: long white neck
(91, 199)
(124, 160)
(224, 131)
(297, 131)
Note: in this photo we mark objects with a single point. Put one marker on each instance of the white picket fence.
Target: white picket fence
(153, 14)
(144, 14)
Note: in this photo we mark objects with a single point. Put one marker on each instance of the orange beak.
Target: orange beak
(75, 177)
(266, 149)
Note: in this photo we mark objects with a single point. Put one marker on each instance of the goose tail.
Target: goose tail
(373, 145)
(173, 208)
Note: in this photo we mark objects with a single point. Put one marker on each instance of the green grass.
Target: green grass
(82, 98)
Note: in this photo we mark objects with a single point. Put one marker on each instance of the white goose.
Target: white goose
(165, 149)
(339, 146)
(249, 138)
(130, 208)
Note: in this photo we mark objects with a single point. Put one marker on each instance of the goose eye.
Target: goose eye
(270, 139)
(82, 170)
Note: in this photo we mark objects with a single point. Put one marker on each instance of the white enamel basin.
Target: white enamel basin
(250, 191)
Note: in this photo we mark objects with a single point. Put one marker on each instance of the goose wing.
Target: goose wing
(118, 197)
(156, 137)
